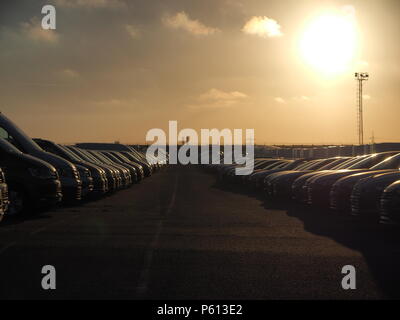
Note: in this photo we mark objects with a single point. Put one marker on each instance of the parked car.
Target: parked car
(299, 186)
(114, 179)
(249, 179)
(228, 172)
(279, 185)
(340, 194)
(256, 180)
(68, 173)
(366, 194)
(122, 148)
(131, 170)
(390, 204)
(125, 160)
(94, 180)
(4, 201)
(32, 183)
(147, 169)
(319, 187)
(123, 172)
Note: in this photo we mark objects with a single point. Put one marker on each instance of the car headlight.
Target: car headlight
(66, 172)
(84, 173)
(43, 173)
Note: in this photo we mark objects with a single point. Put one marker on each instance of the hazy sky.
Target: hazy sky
(114, 69)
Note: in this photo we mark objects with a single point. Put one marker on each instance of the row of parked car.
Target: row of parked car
(365, 186)
(36, 174)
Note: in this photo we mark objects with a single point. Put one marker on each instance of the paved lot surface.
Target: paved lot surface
(180, 235)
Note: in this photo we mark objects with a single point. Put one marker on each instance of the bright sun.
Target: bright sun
(329, 43)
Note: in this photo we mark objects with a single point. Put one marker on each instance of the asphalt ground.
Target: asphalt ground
(181, 235)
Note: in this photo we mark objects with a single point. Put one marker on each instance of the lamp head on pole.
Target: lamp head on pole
(361, 76)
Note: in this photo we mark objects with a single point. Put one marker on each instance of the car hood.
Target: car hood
(354, 178)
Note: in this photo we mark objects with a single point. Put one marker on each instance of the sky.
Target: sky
(112, 70)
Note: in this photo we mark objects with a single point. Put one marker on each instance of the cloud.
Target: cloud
(33, 29)
(90, 3)
(302, 98)
(280, 100)
(215, 94)
(132, 31)
(182, 21)
(366, 97)
(263, 27)
(215, 99)
(69, 73)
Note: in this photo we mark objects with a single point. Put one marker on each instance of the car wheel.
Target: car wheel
(17, 202)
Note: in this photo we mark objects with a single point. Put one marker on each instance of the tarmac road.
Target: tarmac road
(180, 235)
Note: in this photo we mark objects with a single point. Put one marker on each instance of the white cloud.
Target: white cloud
(366, 97)
(182, 21)
(263, 27)
(33, 29)
(215, 98)
(301, 98)
(69, 73)
(132, 31)
(215, 94)
(90, 3)
(280, 100)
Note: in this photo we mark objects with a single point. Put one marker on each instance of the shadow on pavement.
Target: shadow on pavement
(379, 244)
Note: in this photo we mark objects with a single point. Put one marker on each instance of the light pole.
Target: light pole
(360, 77)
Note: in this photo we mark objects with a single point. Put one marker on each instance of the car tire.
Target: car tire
(18, 202)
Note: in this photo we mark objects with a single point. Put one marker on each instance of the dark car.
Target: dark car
(4, 201)
(340, 194)
(94, 180)
(128, 169)
(319, 187)
(126, 178)
(121, 148)
(134, 158)
(137, 166)
(250, 179)
(299, 186)
(32, 183)
(390, 204)
(114, 179)
(279, 185)
(256, 180)
(68, 173)
(228, 173)
(366, 194)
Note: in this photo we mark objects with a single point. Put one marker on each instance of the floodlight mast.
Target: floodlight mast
(360, 77)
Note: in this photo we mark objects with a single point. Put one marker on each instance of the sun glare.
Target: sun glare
(329, 43)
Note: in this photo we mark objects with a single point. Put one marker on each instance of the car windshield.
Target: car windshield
(261, 164)
(332, 164)
(392, 162)
(110, 156)
(130, 156)
(348, 163)
(291, 165)
(370, 161)
(100, 157)
(8, 147)
(309, 164)
(319, 164)
(69, 153)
